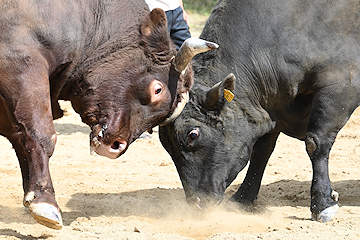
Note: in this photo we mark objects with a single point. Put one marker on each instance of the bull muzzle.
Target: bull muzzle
(202, 202)
(112, 151)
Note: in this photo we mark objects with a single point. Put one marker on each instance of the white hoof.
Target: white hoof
(326, 215)
(47, 215)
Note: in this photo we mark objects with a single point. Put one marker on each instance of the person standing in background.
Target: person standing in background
(176, 18)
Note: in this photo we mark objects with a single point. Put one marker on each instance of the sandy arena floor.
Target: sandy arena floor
(139, 195)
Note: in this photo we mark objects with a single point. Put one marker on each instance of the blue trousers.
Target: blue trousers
(177, 26)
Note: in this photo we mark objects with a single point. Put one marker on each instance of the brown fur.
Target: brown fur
(101, 55)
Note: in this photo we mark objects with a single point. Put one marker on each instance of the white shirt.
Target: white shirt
(165, 5)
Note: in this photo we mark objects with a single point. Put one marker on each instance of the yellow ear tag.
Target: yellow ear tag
(228, 95)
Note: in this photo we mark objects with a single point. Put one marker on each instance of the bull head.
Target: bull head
(149, 86)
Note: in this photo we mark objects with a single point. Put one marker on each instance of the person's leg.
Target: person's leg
(170, 19)
(178, 28)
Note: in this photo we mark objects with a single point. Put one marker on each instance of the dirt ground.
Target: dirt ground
(139, 195)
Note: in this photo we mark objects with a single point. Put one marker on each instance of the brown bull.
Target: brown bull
(113, 60)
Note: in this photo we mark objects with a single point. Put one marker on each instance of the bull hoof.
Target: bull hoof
(46, 215)
(326, 215)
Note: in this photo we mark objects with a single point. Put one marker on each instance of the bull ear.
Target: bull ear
(220, 90)
(154, 31)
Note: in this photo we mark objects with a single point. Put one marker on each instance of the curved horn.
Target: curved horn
(180, 106)
(189, 49)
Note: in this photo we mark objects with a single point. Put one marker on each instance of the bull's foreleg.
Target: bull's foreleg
(33, 137)
(39, 193)
(323, 206)
(40, 198)
(249, 189)
(34, 146)
(332, 107)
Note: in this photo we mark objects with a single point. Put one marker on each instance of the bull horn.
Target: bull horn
(180, 106)
(189, 49)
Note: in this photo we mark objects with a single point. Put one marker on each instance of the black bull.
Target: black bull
(113, 60)
(296, 64)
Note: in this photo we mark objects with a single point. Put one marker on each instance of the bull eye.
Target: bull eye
(158, 89)
(193, 134)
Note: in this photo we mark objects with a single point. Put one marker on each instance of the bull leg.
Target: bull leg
(33, 137)
(39, 192)
(249, 189)
(332, 107)
(34, 146)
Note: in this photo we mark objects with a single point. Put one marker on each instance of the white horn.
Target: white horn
(180, 106)
(189, 49)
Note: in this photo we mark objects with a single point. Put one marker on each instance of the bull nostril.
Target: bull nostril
(115, 145)
(118, 145)
(112, 150)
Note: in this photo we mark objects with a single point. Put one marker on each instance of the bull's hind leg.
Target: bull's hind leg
(331, 108)
(33, 135)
